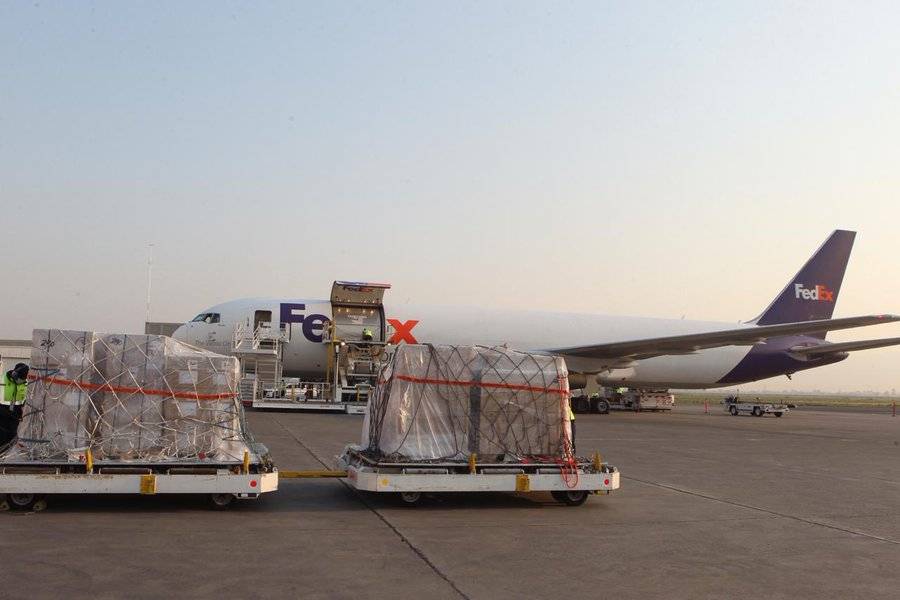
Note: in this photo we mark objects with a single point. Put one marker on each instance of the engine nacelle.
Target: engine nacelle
(577, 381)
(615, 375)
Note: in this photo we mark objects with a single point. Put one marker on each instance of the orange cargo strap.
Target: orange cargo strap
(106, 387)
(484, 384)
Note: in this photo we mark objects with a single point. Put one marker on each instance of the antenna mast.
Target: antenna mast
(149, 277)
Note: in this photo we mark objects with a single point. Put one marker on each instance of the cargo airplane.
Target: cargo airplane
(788, 336)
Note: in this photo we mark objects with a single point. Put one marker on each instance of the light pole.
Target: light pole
(149, 276)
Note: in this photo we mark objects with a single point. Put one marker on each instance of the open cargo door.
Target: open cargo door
(357, 306)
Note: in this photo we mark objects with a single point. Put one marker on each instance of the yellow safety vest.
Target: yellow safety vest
(13, 393)
(571, 412)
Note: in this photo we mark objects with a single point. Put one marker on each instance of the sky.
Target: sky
(655, 159)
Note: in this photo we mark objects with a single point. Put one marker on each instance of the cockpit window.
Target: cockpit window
(206, 318)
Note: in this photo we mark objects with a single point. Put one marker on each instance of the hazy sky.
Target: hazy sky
(659, 159)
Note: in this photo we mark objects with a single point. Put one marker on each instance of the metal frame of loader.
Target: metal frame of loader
(353, 361)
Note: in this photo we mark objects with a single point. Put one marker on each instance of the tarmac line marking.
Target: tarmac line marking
(419, 553)
(763, 510)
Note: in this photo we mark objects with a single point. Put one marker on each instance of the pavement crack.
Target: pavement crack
(415, 549)
(365, 502)
(764, 510)
(297, 439)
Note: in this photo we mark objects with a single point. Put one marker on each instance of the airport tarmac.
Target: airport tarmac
(714, 506)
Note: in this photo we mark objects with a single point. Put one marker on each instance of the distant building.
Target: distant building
(12, 352)
(160, 328)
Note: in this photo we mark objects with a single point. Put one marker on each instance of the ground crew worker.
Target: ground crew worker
(15, 383)
(367, 334)
(571, 423)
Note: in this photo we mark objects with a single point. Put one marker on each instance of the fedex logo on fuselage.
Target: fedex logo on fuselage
(313, 326)
(819, 293)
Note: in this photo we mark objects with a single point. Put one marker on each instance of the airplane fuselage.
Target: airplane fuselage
(305, 355)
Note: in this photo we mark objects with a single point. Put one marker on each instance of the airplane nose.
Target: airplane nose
(180, 334)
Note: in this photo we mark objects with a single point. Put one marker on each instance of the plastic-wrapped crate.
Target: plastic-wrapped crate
(130, 423)
(67, 420)
(449, 402)
(129, 398)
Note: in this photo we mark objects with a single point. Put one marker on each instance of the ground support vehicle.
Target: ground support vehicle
(624, 399)
(356, 340)
(24, 484)
(594, 403)
(410, 481)
(757, 408)
(313, 396)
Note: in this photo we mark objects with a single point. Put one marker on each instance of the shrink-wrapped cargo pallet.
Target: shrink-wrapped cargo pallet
(450, 402)
(128, 398)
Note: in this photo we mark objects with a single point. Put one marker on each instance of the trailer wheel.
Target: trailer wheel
(599, 405)
(570, 497)
(757, 411)
(411, 498)
(778, 414)
(733, 410)
(221, 501)
(21, 501)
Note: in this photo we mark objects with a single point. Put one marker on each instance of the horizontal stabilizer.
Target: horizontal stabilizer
(825, 349)
(743, 336)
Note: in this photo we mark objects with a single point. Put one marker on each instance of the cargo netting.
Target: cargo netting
(129, 398)
(447, 403)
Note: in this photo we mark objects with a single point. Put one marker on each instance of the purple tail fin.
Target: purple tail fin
(813, 292)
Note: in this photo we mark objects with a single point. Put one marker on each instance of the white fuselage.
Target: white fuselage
(305, 355)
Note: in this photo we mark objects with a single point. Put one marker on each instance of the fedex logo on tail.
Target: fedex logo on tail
(819, 293)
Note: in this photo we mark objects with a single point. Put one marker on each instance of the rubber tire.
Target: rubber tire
(21, 501)
(778, 414)
(221, 501)
(570, 497)
(410, 498)
(600, 406)
(733, 410)
(757, 411)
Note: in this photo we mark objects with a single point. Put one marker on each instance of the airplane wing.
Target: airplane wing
(825, 349)
(690, 343)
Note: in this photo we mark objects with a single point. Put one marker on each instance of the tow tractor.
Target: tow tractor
(624, 399)
(568, 484)
(757, 408)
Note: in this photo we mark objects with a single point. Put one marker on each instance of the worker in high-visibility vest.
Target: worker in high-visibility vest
(571, 415)
(15, 383)
(367, 334)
